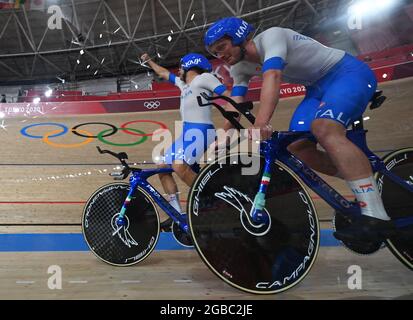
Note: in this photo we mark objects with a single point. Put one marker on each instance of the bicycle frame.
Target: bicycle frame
(276, 149)
(139, 179)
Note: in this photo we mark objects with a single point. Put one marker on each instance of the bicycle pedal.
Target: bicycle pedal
(359, 246)
(351, 241)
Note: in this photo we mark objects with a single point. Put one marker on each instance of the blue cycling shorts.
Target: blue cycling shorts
(342, 95)
(192, 144)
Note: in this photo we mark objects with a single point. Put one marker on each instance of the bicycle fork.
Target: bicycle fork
(257, 212)
(121, 220)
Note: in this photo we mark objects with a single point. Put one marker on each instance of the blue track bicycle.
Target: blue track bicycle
(120, 220)
(259, 233)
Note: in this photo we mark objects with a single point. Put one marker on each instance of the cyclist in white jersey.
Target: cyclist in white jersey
(339, 88)
(198, 129)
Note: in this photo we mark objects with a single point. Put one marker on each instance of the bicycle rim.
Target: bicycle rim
(398, 202)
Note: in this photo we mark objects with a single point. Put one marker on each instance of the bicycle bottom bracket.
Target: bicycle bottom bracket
(182, 237)
(341, 222)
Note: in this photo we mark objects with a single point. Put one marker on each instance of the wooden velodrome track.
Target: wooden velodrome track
(44, 187)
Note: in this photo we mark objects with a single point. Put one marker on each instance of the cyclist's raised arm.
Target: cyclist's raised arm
(160, 71)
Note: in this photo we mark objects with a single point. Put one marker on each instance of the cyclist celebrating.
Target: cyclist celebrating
(339, 88)
(194, 78)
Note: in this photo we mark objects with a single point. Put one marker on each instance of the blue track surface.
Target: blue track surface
(75, 242)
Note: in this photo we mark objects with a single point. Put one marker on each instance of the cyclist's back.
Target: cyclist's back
(304, 60)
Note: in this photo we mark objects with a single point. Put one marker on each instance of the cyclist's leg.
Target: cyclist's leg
(184, 172)
(332, 137)
(171, 189)
(345, 99)
(306, 150)
(352, 163)
(167, 180)
(346, 95)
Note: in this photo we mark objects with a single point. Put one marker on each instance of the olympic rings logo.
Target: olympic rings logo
(152, 104)
(89, 137)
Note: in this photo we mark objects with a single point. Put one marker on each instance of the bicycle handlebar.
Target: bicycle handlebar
(122, 156)
(229, 115)
(243, 107)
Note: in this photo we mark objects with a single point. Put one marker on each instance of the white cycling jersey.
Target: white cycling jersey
(190, 110)
(303, 60)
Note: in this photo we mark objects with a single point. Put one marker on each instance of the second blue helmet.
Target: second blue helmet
(195, 60)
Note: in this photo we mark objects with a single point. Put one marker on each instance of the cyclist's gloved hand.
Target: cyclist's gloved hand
(260, 131)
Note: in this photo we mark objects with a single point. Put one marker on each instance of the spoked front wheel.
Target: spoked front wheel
(125, 245)
(398, 202)
(261, 258)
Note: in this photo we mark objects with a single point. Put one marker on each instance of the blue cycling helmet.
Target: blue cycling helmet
(233, 27)
(195, 60)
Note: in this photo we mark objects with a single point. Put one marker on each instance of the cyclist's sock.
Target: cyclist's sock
(368, 196)
(174, 202)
